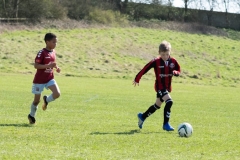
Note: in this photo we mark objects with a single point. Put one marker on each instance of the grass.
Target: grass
(122, 52)
(95, 118)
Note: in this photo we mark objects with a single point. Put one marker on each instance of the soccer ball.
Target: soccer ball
(185, 130)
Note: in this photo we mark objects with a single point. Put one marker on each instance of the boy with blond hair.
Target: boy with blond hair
(165, 67)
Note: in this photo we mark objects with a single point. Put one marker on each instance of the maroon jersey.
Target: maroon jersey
(44, 56)
(163, 72)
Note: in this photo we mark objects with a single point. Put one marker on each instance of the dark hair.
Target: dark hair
(49, 37)
(164, 46)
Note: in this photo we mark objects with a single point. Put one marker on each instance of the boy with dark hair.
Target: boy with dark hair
(164, 67)
(44, 77)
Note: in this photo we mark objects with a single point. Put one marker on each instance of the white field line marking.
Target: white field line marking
(92, 98)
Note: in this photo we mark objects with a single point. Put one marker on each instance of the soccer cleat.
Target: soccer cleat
(31, 119)
(45, 103)
(140, 120)
(167, 127)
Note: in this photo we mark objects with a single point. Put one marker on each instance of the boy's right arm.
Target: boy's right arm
(135, 83)
(145, 69)
(39, 61)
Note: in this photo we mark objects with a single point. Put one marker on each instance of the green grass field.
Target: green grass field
(95, 118)
(96, 115)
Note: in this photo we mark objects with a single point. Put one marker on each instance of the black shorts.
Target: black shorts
(161, 93)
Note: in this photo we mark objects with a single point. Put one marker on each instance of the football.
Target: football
(185, 129)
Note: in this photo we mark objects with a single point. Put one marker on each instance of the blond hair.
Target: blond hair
(164, 46)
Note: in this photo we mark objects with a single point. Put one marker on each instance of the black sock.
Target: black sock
(150, 111)
(167, 110)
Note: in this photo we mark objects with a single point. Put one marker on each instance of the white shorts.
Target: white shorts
(38, 88)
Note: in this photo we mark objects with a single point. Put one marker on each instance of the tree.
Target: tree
(170, 3)
(16, 6)
(186, 4)
(236, 3)
(226, 6)
(156, 2)
(212, 4)
(170, 9)
(10, 8)
(36, 10)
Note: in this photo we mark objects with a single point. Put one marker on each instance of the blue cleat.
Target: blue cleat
(167, 127)
(140, 120)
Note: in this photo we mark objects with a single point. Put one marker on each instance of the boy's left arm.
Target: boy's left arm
(177, 69)
(58, 69)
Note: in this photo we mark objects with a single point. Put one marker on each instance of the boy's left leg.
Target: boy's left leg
(167, 112)
(55, 94)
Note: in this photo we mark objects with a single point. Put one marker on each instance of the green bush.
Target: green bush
(56, 11)
(35, 10)
(109, 17)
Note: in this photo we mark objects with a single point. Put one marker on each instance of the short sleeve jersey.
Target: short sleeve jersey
(44, 57)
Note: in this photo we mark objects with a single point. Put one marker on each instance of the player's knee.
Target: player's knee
(169, 102)
(57, 95)
(156, 106)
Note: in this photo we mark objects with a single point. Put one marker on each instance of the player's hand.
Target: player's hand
(58, 70)
(175, 73)
(135, 83)
(52, 65)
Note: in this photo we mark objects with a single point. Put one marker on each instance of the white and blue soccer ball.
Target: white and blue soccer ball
(185, 129)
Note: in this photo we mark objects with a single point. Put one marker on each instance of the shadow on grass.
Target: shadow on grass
(130, 132)
(16, 125)
(122, 133)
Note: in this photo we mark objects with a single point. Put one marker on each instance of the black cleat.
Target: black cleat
(31, 119)
(45, 103)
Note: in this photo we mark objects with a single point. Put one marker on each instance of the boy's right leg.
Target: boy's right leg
(148, 112)
(33, 109)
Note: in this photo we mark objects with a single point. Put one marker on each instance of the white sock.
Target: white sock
(33, 110)
(50, 98)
